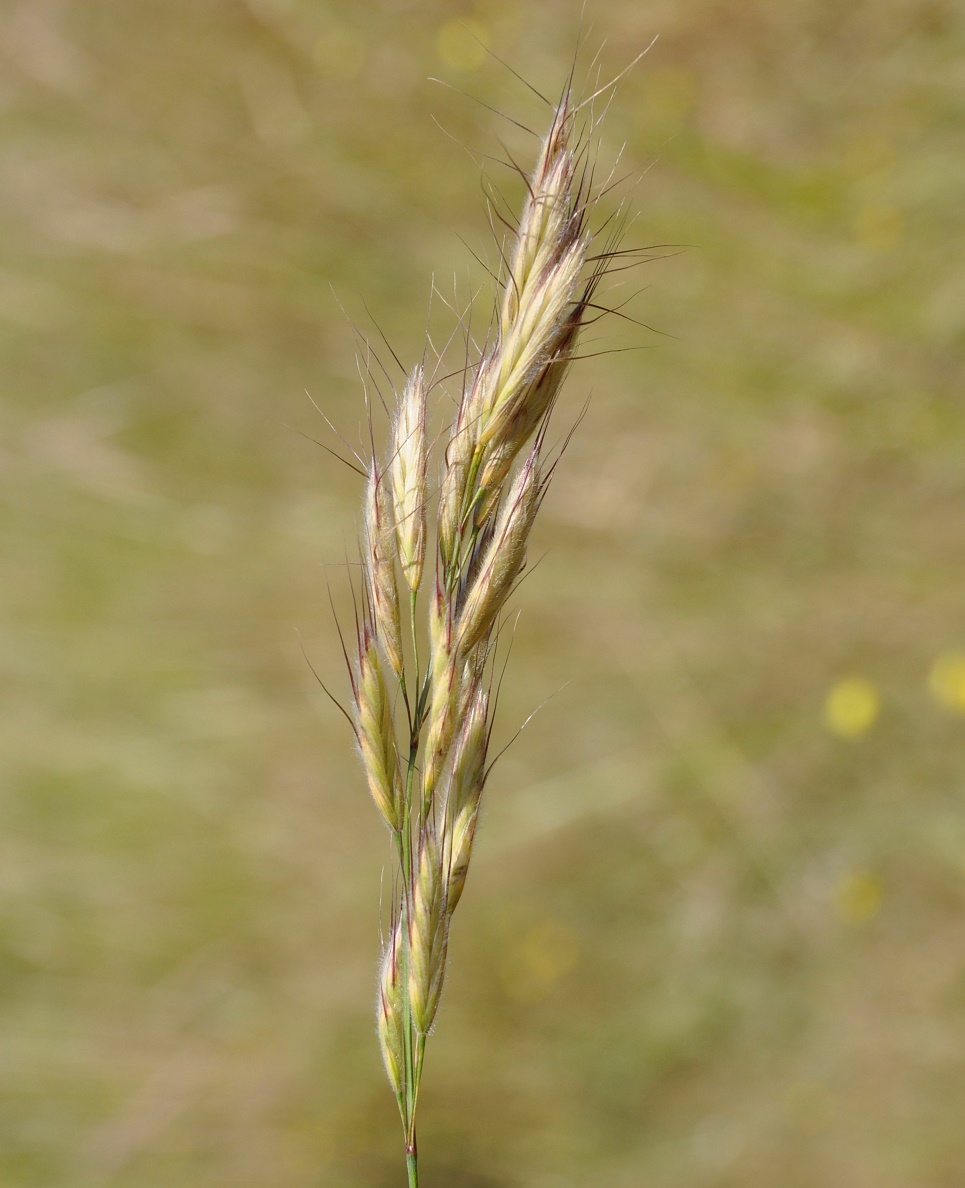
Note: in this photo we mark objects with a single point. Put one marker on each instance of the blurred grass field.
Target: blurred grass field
(713, 933)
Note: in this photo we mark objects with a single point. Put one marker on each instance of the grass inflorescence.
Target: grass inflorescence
(447, 524)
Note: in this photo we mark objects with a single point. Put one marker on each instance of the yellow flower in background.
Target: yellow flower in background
(857, 897)
(947, 681)
(462, 45)
(851, 707)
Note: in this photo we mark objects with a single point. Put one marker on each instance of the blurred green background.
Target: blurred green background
(713, 932)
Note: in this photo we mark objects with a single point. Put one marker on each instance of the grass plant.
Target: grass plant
(440, 563)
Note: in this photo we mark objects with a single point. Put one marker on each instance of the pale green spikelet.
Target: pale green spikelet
(380, 557)
(532, 343)
(376, 735)
(428, 934)
(503, 560)
(390, 1013)
(465, 789)
(547, 213)
(443, 720)
(452, 497)
(409, 461)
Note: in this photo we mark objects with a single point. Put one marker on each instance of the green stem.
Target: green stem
(411, 1059)
(413, 598)
(419, 1061)
(406, 857)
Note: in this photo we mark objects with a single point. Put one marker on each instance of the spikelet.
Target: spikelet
(409, 461)
(428, 935)
(459, 456)
(445, 687)
(380, 555)
(526, 417)
(512, 382)
(390, 1013)
(376, 734)
(469, 754)
(503, 559)
(548, 212)
(465, 789)
(542, 299)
